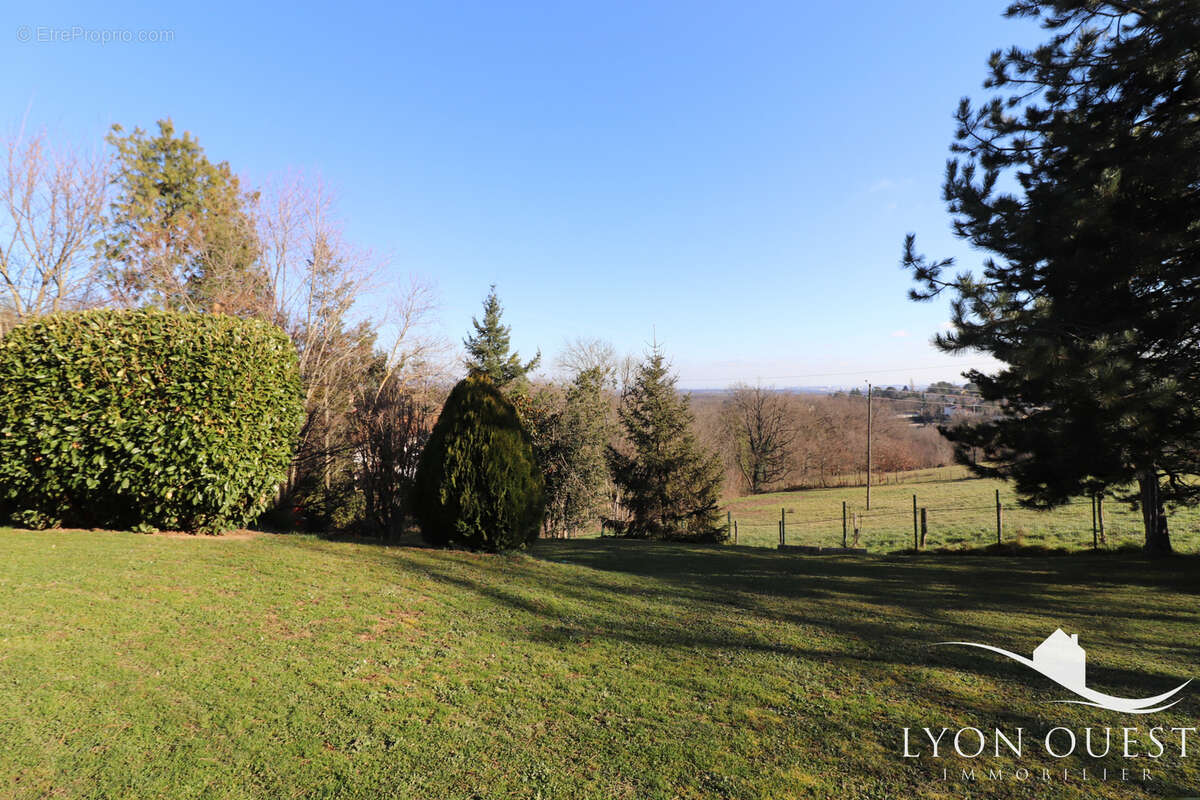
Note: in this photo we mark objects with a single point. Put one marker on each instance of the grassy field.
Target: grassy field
(961, 513)
(140, 666)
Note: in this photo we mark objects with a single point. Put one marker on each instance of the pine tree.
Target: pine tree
(487, 350)
(1084, 185)
(181, 234)
(666, 482)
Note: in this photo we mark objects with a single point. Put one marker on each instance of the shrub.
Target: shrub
(145, 419)
(477, 483)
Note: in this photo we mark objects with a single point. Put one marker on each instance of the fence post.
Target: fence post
(735, 531)
(782, 527)
(1095, 534)
(924, 529)
(999, 520)
(729, 523)
(843, 524)
(1100, 517)
(916, 542)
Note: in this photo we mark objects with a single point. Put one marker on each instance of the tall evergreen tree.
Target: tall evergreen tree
(574, 456)
(488, 350)
(666, 482)
(1082, 179)
(181, 235)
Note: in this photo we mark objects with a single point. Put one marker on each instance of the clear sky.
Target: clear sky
(734, 178)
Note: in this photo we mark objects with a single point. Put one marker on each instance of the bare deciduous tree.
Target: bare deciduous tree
(316, 279)
(390, 427)
(51, 216)
(415, 356)
(359, 374)
(761, 434)
(582, 354)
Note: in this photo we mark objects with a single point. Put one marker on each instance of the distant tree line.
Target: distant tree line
(771, 440)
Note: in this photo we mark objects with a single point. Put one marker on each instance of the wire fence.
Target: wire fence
(906, 522)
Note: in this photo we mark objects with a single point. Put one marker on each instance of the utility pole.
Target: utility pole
(868, 445)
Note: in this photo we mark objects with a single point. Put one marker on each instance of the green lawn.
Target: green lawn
(281, 666)
(961, 513)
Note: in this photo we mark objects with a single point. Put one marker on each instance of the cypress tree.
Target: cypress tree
(477, 484)
(1081, 178)
(668, 485)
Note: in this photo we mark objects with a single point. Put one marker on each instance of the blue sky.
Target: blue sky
(733, 178)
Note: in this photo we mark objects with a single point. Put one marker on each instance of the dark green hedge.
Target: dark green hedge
(145, 419)
(478, 484)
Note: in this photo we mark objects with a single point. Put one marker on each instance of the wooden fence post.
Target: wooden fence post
(924, 529)
(1095, 533)
(735, 531)
(843, 524)
(999, 520)
(728, 524)
(782, 528)
(1100, 517)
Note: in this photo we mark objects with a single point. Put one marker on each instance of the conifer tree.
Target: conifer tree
(477, 483)
(666, 482)
(181, 234)
(573, 456)
(1083, 183)
(488, 350)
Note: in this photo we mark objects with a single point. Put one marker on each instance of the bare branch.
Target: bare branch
(51, 216)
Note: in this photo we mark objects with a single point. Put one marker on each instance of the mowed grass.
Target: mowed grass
(961, 514)
(139, 666)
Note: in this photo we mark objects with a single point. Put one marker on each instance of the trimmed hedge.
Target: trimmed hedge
(478, 484)
(145, 419)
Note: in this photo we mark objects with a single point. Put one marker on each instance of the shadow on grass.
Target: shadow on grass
(853, 624)
(851, 610)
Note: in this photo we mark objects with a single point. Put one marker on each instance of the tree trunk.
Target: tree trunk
(1154, 518)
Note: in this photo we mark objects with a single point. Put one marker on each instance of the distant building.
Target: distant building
(1062, 659)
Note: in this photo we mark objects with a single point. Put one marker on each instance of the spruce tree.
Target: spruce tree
(668, 485)
(1081, 178)
(487, 350)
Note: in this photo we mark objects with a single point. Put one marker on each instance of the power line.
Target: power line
(971, 365)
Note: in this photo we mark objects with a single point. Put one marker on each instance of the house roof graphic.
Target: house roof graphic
(1060, 658)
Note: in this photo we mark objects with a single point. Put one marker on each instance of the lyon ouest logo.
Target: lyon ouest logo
(1061, 659)
(1025, 754)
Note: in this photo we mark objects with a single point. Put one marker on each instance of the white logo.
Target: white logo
(1062, 660)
